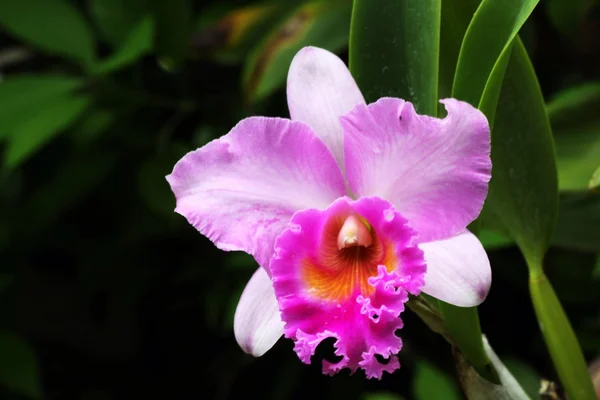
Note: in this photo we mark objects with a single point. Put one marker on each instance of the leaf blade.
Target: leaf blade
(384, 63)
(42, 126)
(66, 33)
(138, 43)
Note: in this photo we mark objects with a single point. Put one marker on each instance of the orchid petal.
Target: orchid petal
(241, 190)
(435, 171)
(458, 270)
(257, 323)
(320, 89)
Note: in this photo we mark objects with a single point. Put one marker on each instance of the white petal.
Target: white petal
(257, 323)
(458, 270)
(320, 89)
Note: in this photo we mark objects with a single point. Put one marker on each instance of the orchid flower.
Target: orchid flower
(347, 208)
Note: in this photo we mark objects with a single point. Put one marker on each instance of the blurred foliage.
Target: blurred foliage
(106, 293)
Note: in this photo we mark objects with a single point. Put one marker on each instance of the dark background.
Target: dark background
(106, 293)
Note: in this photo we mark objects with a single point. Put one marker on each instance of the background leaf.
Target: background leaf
(594, 183)
(527, 377)
(523, 162)
(54, 26)
(229, 35)
(137, 43)
(566, 16)
(476, 387)
(173, 21)
(482, 49)
(431, 383)
(576, 125)
(316, 23)
(19, 370)
(394, 50)
(115, 19)
(578, 221)
(42, 126)
(22, 95)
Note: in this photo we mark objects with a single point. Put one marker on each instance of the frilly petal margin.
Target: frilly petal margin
(257, 322)
(320, 89)
(458, 270)
(241, 190)
(435, 171)
(364, 324)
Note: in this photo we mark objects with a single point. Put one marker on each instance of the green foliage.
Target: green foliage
(576, 126)
(54, 26)
(19, 369)
(101, 280)
(384, 63)
(523, 162)
(21, 95)
(560, 338)
(115, 19)
(316, 23)
(136, 44)
(173, 28)
(431, 383)
(41, 126)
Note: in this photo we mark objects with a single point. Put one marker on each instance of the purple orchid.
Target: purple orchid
(347, 208)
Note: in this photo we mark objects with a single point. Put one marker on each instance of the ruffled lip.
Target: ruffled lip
(363, 320)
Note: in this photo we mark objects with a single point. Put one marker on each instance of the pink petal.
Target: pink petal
(257, 324)
(458, 270)
(241, 190)
(354, 295)
(320, 89)
(435, 171)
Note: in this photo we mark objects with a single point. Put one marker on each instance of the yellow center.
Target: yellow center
(349, 254)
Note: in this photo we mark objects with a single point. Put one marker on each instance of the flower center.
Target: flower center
(349, 254)
(354, 232)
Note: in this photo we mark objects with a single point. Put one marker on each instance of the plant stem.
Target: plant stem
(560, 338)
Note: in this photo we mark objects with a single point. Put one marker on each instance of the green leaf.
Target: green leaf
(483, 48)
(523, 195)
(560, 339)
(577, 155)
(41, 126)
(229, 35)
(523, 192)
(475, 387)
(54, 26)
(381, 396)
(594, 183)
(173, 30)
(137, 44)
(578, 221)
(21, 95)
(316, 23)
(576, 226)
(19, 368)
(527, 377)
(394, 50)
(493, 240)
(596, 273)
(567, 15)
(456, 15)
(576, 125)
(116, 18)
(575, 105)
(431, 383)
(462, 323)
(95, 122)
